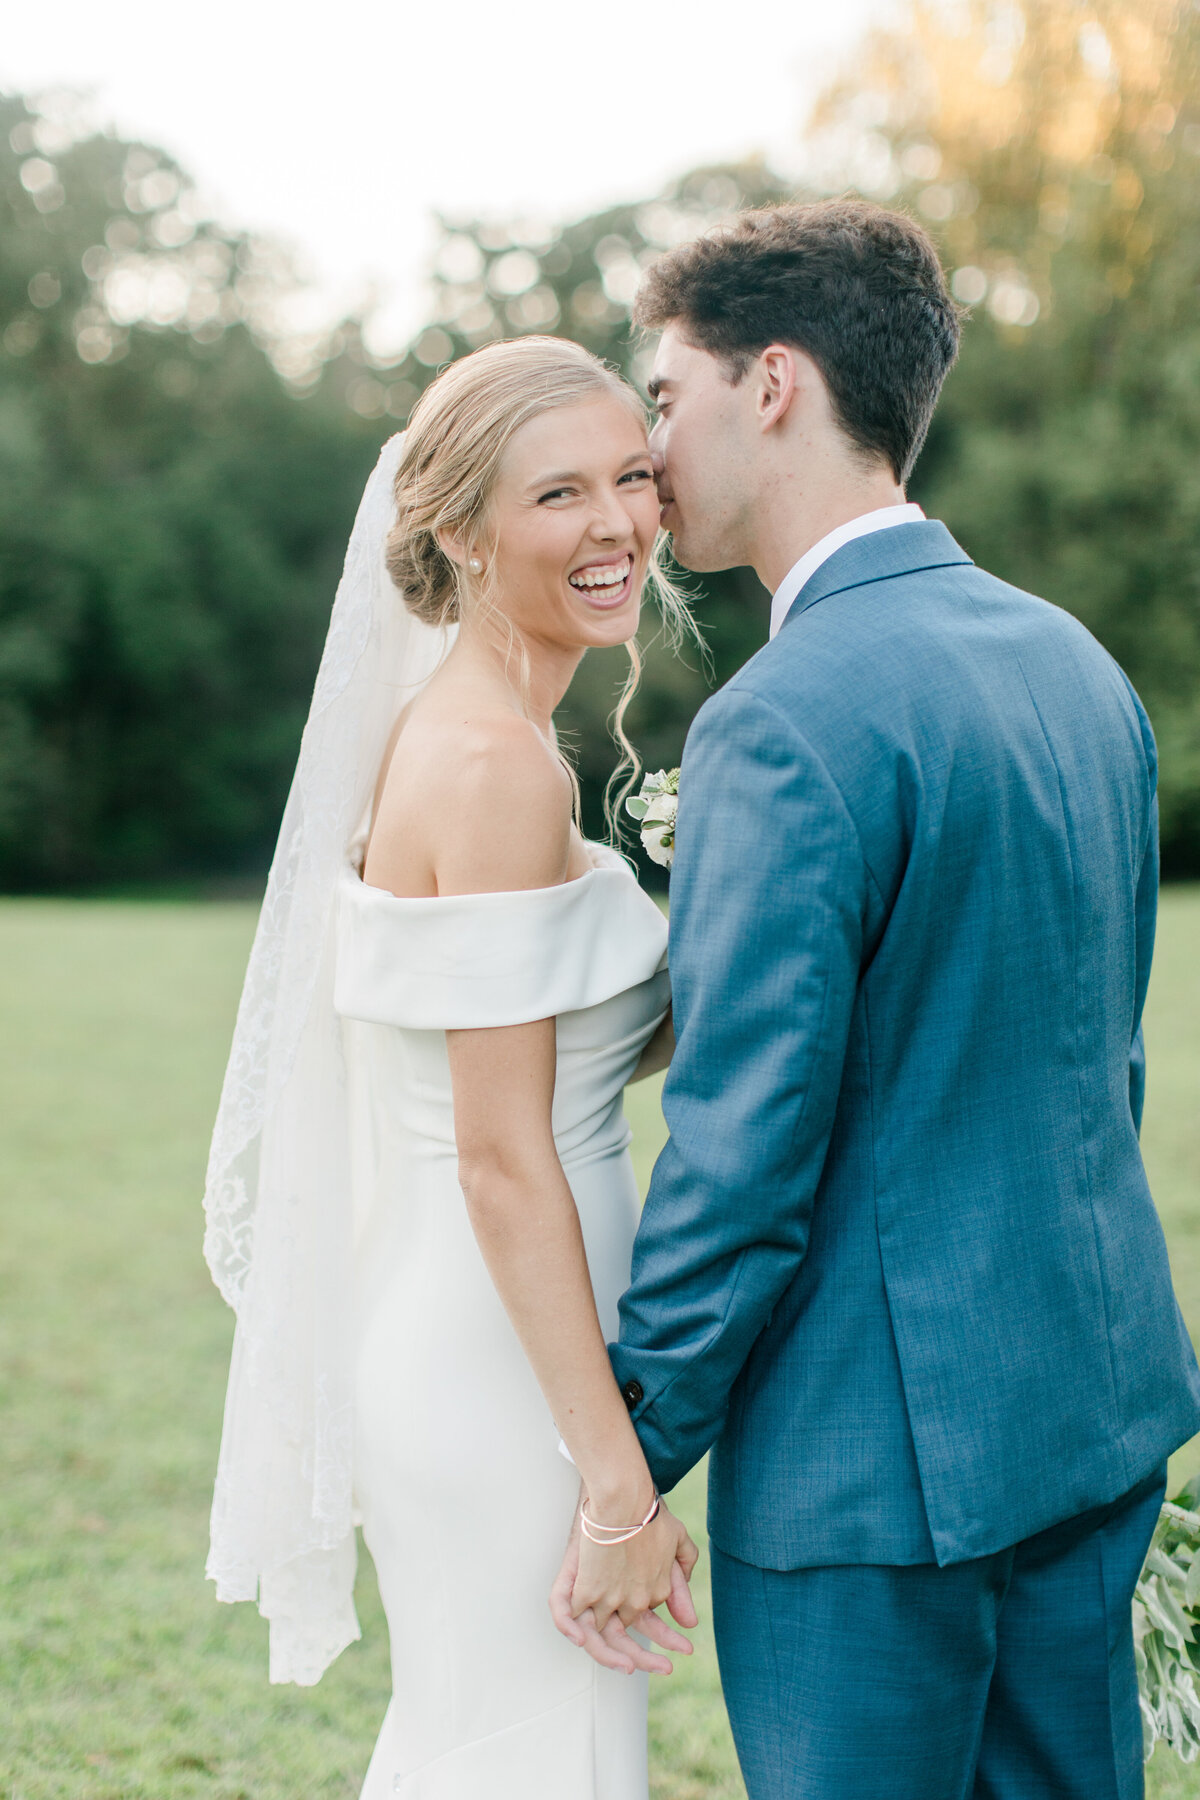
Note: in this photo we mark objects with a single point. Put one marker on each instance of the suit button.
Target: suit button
(632, 1393)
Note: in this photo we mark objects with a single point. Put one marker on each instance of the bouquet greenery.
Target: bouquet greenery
(1166, 1629)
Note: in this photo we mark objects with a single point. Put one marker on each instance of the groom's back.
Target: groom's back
(981, 1338)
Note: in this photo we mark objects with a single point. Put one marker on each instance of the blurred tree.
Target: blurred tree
(1054, 148)
(171, 518)
(180, 462)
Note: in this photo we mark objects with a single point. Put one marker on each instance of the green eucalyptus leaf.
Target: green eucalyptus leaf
(1191, 1589)
(1188, 1497)
(1179, 1619)
(1163, 1565)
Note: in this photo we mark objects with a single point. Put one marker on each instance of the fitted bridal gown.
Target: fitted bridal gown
(465, 1499)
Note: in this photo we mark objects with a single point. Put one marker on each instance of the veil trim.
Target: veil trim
(279, 1213)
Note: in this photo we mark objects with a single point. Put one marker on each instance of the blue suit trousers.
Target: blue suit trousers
(1009, 1677)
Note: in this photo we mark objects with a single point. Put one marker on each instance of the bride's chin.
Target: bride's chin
(605, 630)
(609, 624)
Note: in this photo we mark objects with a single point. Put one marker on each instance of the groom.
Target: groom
(899, 1267)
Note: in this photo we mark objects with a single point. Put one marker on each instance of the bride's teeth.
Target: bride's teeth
(602, 578)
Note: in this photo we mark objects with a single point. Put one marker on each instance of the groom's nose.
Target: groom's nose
(659, 463)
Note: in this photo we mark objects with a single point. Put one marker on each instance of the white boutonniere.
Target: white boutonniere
(654, 809)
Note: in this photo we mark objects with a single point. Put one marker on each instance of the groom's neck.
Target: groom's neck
(802, 500)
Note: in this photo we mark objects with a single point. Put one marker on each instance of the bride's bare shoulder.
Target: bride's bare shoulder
(472, 801)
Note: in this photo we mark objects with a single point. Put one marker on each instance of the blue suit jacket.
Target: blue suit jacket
(899, 1264)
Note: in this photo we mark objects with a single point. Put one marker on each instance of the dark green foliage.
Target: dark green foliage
(1066, 462)
(1065, 452)
(173, 512)
(171, 526)
(173, 516)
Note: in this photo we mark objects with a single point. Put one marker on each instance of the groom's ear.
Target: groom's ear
(777, 375)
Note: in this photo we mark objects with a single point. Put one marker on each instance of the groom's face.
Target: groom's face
(704, 454)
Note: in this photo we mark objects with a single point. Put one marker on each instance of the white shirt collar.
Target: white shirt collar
(789, 588)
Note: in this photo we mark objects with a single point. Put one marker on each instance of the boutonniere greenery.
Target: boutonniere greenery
(654, 809)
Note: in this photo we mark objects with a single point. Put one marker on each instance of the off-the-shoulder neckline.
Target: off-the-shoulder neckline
(621, 870)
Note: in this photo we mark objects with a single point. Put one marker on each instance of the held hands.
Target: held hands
(605, 1590)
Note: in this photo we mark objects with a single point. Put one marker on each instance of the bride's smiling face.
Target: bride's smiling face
(572, 524)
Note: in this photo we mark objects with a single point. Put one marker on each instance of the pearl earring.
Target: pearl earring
(475, 565)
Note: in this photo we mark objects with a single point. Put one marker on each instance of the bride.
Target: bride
(420, 1199)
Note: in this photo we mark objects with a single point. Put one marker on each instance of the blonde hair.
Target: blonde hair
(455, 444)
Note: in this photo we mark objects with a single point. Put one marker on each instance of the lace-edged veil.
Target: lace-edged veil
(279, 1237)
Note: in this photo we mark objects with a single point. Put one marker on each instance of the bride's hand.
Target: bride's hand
(613, 1648)
(628, 1580)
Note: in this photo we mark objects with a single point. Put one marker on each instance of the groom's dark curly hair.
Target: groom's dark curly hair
(859, 289)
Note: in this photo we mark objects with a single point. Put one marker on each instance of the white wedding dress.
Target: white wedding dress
(465, 1499)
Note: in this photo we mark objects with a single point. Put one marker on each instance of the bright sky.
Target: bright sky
(342, 130)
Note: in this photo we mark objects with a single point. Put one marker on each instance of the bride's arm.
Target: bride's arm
(511, 831)
(527, 1227)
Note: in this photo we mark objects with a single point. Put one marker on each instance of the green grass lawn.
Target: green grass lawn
(119, 1675)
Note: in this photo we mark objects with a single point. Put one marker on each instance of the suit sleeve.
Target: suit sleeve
(769, 893)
